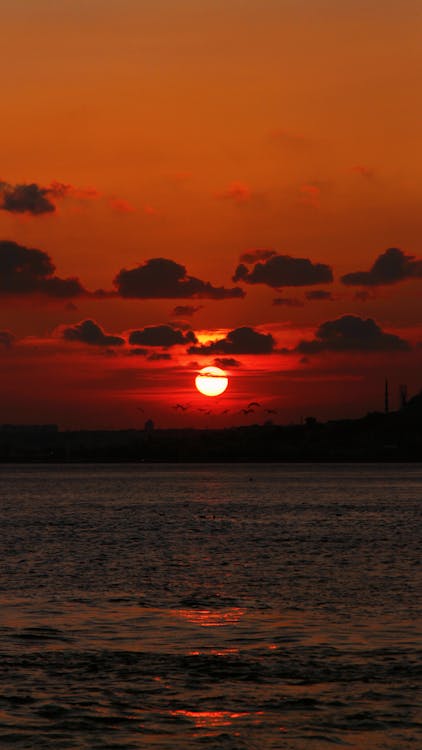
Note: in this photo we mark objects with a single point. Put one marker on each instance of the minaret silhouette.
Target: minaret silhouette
(386, 405)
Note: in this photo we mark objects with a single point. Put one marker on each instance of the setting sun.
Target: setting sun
(211, 381)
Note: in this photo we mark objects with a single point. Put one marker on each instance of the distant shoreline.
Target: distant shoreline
(376, 438)
(215, 462)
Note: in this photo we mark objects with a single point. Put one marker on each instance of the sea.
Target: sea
(224, 607)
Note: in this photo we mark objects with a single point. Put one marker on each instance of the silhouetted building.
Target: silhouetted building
(149, 426)
(403, 395)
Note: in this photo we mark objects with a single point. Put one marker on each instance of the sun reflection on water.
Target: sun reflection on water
(208, 618)
(210, 719)
(215, 652)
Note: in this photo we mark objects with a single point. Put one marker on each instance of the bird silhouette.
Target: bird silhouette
(271, 411)
(182, 407)
(253, 403)
(246, 411)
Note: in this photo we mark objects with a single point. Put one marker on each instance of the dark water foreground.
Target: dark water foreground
(213, 607)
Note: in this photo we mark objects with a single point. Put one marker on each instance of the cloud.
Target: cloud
(389, 268)
(287, 302)
(89, 332)
(237, 192)
(318, 294)
(350, 333)
(254, 255)
(186, 310)
(25, 198)
(26, 270)
(227, 362)
(121, 206)
(6, 339)
(158, 356)
(35, 199)
(160, 278)
(363, 295)
(139, 352)
(62, 190)
(163, 335)
(283, 270)
(181, 325)
(243, 340)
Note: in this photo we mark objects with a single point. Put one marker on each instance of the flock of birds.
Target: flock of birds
(249, 409)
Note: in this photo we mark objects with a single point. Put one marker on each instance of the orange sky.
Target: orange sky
(198, 132)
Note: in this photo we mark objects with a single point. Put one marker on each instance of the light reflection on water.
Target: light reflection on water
(168, 607)
(208, 719)
(206, 618)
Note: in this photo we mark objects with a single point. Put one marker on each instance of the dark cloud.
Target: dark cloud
(351, 333)
(6, 339)
(283, 270)
(389, 268)
(104, 294)
(318, 294)
(159, 356)
(181, 325)
(227, 362)
(26, 270)
(363, 295)
(62, 288)
(139, 352)
(287, 302)
(252, 256)
(165, 336)
(160, 278)
(37, 199)
(25, 198)
(89, 332)
(186, 310)
(239, 341)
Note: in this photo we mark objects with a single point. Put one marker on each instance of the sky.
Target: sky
(184, 184)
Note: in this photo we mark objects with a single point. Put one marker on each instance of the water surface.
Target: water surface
(217, 606)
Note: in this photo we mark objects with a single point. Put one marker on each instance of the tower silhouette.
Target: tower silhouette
(403, 395)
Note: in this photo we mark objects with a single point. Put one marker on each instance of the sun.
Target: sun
(211, 381)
